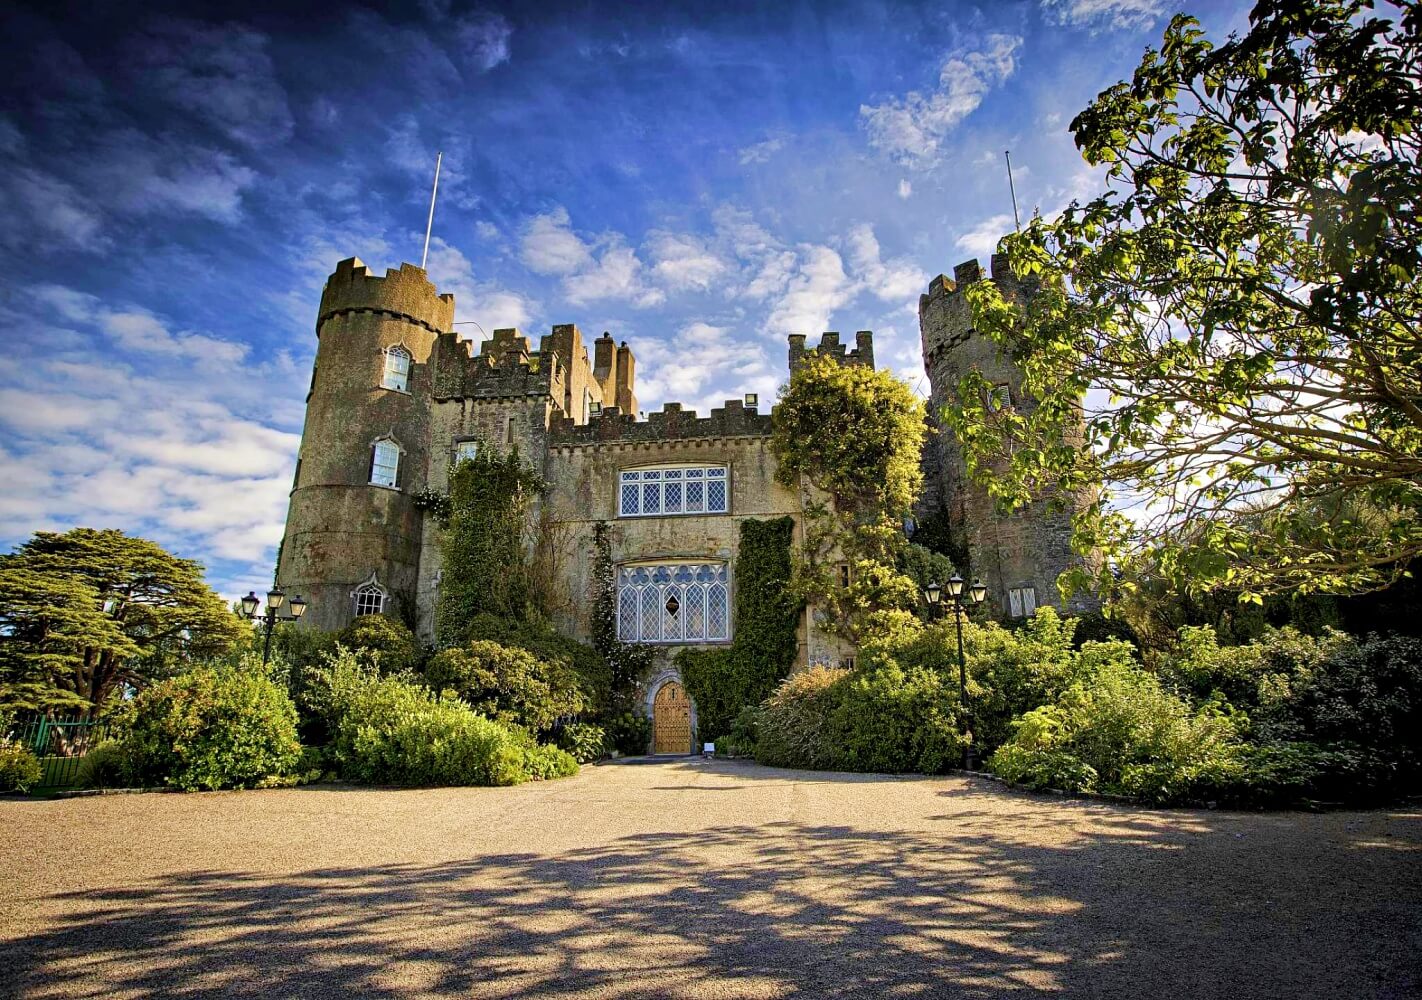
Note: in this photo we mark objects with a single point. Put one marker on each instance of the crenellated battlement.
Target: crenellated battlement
(503, 369)
(671, 423)
(405, 293)
(862, 354)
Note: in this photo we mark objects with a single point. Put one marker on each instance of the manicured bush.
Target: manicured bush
(105, 766)
(506, 684)
(19, 768)
(389, 643)
(392, 731)
(211, 728)
(893, 720)
(584, 741)
(547, 644)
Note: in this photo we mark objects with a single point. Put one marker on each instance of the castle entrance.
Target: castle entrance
(671, 720)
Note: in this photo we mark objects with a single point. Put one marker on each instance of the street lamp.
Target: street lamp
(275, 598)
(933, 594)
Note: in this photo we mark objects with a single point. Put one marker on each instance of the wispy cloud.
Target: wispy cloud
(1115, 14)
(911, 129)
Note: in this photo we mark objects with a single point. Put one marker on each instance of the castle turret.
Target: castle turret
(353, 535)
(1020, 556)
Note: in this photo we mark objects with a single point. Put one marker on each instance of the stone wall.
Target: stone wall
(1032, 547)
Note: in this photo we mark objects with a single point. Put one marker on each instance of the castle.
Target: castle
(396, 397)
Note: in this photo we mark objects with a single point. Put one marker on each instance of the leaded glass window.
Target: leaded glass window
(673, 603)
(397, 369)
(684, 490)
(385, 464)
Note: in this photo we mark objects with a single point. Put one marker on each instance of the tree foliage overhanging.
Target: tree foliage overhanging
(86, 611)
(1238, 312)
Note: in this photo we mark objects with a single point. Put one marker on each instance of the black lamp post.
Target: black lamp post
(275, 598)
(933, 594)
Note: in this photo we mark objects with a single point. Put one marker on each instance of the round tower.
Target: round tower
(353, 534)
(1019, 556)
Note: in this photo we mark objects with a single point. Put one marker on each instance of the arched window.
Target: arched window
(369, 598)
(385, 464)
(673, 603)
(397, 369)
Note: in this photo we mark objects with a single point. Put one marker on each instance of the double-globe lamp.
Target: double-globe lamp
(275, 599)
(933, 594)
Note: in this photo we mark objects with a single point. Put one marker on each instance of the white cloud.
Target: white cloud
(891, 281)
(682, 260)
(1116, 14)
(905, 189)
(549, 245)
(814, 291)
(911, 129)
(478, 304)
(701, 368)
(981, 241)
(616, 275)
(761, 152)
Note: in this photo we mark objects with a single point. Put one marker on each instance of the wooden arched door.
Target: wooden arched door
(671, 720)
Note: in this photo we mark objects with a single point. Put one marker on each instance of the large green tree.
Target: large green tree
(1236, 318)
(86, 611)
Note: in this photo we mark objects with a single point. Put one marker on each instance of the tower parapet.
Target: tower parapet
(862, 354)
(1019, 556)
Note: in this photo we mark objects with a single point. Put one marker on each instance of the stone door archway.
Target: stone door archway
(671, 720)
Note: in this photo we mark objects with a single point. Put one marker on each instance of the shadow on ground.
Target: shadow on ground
(1135, 903)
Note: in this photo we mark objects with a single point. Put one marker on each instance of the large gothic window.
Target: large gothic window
(673, 603)
(397, 369)
(660, 492)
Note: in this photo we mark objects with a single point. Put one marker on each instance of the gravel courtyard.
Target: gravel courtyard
(701, 879)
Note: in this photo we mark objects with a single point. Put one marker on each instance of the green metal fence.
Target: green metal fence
(60, 745)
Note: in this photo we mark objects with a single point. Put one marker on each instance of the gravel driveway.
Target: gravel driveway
(696, 879)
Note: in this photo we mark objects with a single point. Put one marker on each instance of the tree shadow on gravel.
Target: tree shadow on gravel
(1139, 904)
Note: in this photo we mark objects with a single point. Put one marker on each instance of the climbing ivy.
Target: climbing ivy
(627, 663)
(856, 435)
(724, 681)
(484, 516)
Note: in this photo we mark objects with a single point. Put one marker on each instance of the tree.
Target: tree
(1235, 319)
(856, 434)
(85, 611)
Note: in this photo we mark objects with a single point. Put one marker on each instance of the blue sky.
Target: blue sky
(700, 180)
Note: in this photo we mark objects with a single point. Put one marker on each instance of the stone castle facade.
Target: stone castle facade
(396, 397)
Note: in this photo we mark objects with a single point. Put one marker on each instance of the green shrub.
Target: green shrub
(794, 724)
(892, 720)
(1137, 737)
(629, 733)
(211, 728)
(390, 645)
(506, 684)
(744, 735)
(391, 731)
(1036, 768)
(19, 768)
(594, 676)
(584, 741)
(105, 766)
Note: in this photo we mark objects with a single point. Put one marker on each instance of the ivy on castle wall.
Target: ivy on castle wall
(626, 662)
(485, 516)
(723, 681)
(856, 434)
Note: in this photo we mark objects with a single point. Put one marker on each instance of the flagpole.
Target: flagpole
(1007, 153)
(439, 158)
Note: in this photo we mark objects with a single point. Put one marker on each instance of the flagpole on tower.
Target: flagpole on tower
(439, 158)
(1007, 153)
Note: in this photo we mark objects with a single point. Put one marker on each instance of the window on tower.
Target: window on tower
(385, 464)
(397, 369)
(369, 599)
